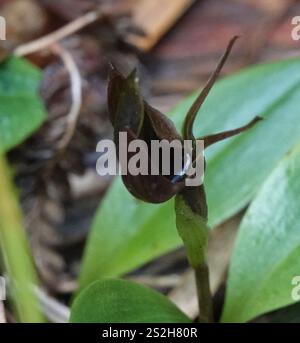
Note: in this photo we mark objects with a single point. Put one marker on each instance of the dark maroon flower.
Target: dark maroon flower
(130, 113)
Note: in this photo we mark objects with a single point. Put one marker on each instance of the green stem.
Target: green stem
(204, 294)
(16, 253)
(193, 229)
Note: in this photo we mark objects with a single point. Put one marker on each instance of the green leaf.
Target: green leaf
(119, 301)
(244, 162)
(16, 254)
(266, 255)
(21, 109)
(127, 224)
(127, 233)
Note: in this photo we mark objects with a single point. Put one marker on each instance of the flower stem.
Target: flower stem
(204, 294)
(191, 221)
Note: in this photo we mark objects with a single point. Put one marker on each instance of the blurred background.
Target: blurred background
(175, 44)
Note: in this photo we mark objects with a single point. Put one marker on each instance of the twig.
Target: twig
(55, 311)
(52, 38)
(157, 281)
(76, 93)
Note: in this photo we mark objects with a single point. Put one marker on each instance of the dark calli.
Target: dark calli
(130, 113)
